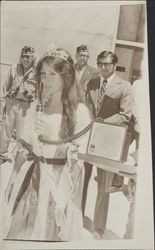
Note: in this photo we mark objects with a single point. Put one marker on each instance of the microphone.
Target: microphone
(39, 112)
(40, 108)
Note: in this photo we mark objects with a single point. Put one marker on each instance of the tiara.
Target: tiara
(57, 53)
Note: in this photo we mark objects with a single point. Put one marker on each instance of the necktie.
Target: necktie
(101, 94)
(79, 72)
(104, 84)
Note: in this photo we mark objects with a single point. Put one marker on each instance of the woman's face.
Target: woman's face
(51, 80)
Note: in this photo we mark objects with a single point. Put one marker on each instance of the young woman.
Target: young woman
(45, 189)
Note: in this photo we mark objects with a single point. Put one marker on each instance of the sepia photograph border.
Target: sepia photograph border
(144, 228)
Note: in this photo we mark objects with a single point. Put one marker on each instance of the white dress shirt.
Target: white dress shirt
(109, 80)
(79, 73)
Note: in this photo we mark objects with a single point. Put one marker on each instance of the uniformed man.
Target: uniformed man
(19, 91)
(84, 72)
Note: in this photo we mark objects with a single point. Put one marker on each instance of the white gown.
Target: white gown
(50, 207)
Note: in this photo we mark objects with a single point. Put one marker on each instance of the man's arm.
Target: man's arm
(8, 82)
(126, 106)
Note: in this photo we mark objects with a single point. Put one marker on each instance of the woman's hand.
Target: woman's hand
(72, 152)
(48, 125)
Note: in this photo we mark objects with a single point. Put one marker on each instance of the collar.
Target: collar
(111, 77)
(80, 69)
(109, 80)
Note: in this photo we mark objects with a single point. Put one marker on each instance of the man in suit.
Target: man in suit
(110, 98)
(84, 72)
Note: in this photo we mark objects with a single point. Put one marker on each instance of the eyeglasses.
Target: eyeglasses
(83, 55)
(27, 56)
(101, 64)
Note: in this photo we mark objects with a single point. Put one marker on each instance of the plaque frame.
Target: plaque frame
(122, 129)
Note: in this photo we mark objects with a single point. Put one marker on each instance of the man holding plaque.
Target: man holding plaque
(110, 98)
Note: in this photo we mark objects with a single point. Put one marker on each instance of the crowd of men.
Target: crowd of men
(106, 95)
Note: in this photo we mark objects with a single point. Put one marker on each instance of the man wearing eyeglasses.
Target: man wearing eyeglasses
(19, 90)
(84, 72)
(19, 73)
(110, 98)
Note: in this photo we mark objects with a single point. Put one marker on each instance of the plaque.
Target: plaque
(107, 141)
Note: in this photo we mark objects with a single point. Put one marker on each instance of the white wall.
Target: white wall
(65, 24)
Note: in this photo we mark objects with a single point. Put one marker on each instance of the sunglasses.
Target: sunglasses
(27, 56)
(101, 64)
(82, 55)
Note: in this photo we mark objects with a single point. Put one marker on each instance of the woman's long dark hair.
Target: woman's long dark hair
(70, 93)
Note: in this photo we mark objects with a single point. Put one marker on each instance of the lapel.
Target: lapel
(94, 96)
(114, 86)
(94, 90)
(85, 75)
(111, 90)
